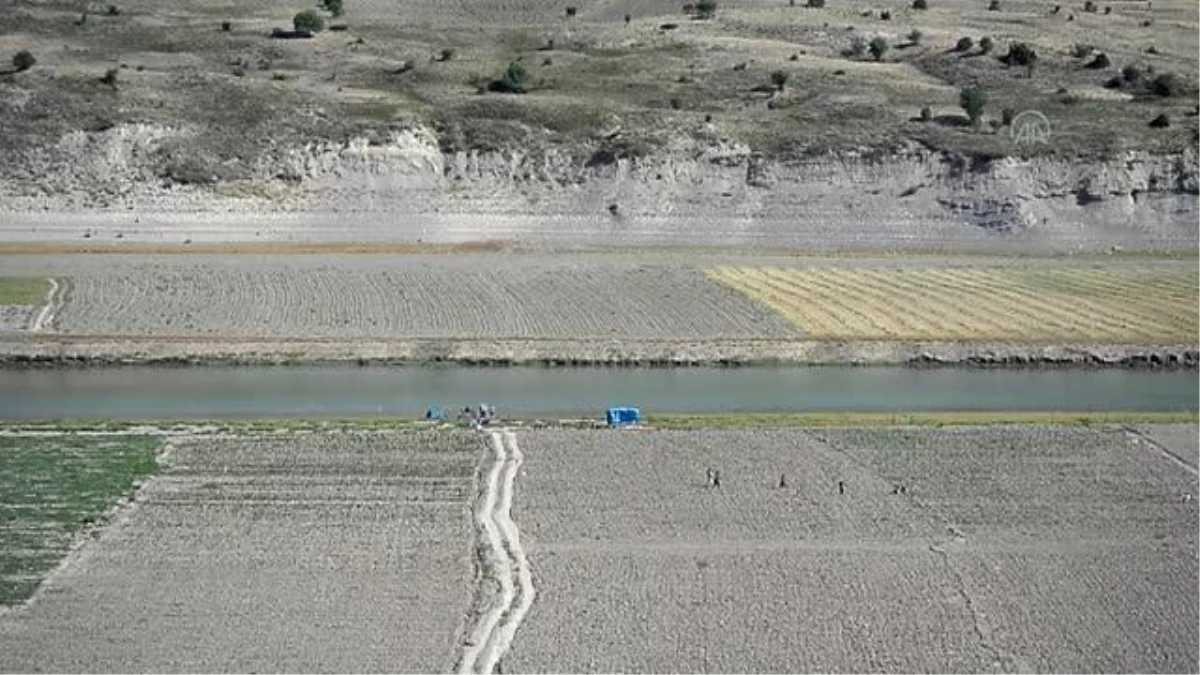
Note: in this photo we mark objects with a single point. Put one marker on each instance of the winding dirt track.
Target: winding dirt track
(504, 561)
(46, 315)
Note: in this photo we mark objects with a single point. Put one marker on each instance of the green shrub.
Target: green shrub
(779, 78)
(818, 4)
(920, 4)
(964, 44)
(515, 80)
(858, 47)
(308, 20)
(994, 6)
(915, 36)
(1006, 117)
(926, 114)
(23, 60)
(878, 46)
(110, 77)
(1165, 85)
(706, 9)
(1082, 51)
(334, 7)
(985, 45)
(1131, 74)
(1100, 62)
(973, 100)
(446, 54)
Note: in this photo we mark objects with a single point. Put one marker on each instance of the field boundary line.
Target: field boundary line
(1162, 449)
(503, 636)
(46, 315)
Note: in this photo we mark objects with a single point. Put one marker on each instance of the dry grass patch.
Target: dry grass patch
(1107, 305)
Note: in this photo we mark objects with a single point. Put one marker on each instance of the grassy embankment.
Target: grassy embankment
(52, 489)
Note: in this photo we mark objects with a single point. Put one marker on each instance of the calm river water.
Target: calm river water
(340, 391)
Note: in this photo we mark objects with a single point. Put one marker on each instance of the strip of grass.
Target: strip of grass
(52, 488)
(23, 290)
(860, 419)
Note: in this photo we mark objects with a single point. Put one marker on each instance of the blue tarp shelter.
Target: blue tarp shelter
(620, 417)
(434, 413)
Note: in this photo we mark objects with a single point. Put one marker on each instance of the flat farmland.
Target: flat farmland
(423, 297)
(289, 552)
(1065, 304)
(1012, 548)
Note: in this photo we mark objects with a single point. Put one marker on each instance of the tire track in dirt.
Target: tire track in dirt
(46, 316)
(504, 562)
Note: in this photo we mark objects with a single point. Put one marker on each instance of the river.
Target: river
(347, 391)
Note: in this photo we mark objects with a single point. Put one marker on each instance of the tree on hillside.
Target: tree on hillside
(973, 101)
(515, 80)
(878, 46)
(706, 9)
(23, 60)
(779, 78)
(1020, 54)
(308, 20)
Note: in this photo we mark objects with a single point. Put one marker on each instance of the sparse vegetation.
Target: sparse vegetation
(1161, 122)
(1082, 51)
(1021, 54)
(1006, 117)
(858, 47)
(817, 4)
(1089, 6)
(23, 60)
(985, 45)
(964, 44)
(914, 37)
(1100, 62)
(973, 100)
(994, 6)
(335, 7)
(920, 4)
(926, 114)
(1131, 75)
(446, 54)
(779, 79)
(308, 20)
(110, 77)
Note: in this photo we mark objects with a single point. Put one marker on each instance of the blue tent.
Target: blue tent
(620, 417)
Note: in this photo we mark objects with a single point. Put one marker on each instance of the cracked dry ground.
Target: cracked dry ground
(1012, 549)
(323, 552)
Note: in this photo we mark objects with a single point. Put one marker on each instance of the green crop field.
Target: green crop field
(54, 487)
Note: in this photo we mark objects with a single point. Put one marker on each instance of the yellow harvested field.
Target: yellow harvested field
(1077, 304)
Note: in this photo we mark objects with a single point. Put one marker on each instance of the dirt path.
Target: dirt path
(46, 316)
(505, 563)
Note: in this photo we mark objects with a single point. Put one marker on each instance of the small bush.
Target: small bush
(926, 114)
(112, 10)
(1100, 62)
(706, 9)
(1114, 82)
(335, 7)
(1107, 10)
(886, 15)
(110, 77)
(1131, 74)
(571, 11)
(1006, 117)
(628, 18)
(914, 37)
(515, 80)
(1151, 49)
(1082, 51)
(676, 104)
(878, 47)
(779, 78)
(1089, 6)
(446, 54)
(308, 20)
(985, 45)
(964, 44)
(994, 6)
(973, 100)
(816, 4)
(1021, 54)
(1160, 122)
(1165, 85)
(23, 60)
(226, 26)
(1057, 9)
(920, 4)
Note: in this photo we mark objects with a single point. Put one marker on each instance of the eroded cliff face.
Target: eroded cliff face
(1135, 197)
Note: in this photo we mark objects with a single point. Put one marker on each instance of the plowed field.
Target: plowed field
(1106, 305)
(1010, 549)
(329, 552)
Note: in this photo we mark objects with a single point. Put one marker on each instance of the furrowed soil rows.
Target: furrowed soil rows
(302, 552)
(494, 297)
(1108, 305)
(1009, 549)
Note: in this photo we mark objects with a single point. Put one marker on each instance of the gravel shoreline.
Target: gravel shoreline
(65, 350)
